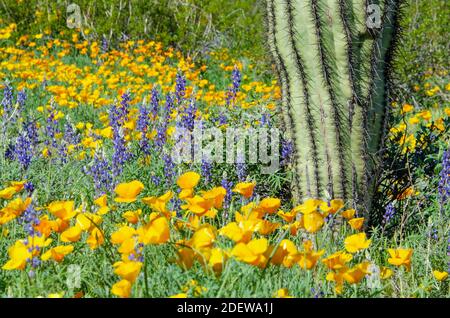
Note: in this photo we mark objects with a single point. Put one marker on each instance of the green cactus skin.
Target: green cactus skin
(334, 73)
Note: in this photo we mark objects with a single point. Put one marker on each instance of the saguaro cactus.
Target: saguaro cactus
(333, 59)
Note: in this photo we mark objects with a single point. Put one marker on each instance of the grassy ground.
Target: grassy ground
(173, 246)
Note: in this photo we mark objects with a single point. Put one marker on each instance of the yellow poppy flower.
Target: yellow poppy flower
(385, 272)
(127, 270)
(63, 210)
(127, 192)
(57, 253)
(440, 276)
(122, 289)
(313, 221)
(122, 234)
(188, 180)
(356, 242)
(270, 205)
(18, 256)
(252, 252)
(156, 231)
(348, 214)
(72, 234)
(356, 223)
(337, 260)
(400, 257)
(245, 189)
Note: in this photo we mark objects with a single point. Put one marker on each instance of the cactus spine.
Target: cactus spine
(333, 63)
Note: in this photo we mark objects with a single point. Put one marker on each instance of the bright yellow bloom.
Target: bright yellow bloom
(282, 293)
(334, 206)
(385, 272)
(357, 273)
(95, 239)
(156, 231)
(308, 258)
(217, 260)
(270, 205)
(57, 253)
(356, 242)
(188, 180)
(18, 256)
(400, 257)
(440, 276)
(122, 234)
(252, 252)
(309, 206)
(239, 232)
(313, 221)
(7, 193)
(122, 289)
(348, 214)
(132, 216)
(245, 189)
(356, 223)
(72, 234)
(127, 192)
(203, 237)
(337, 260)
(128, 270)
(216, 195)
(63, 210)
(407, 108)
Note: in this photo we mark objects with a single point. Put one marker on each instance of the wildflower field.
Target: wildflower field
(93, 204)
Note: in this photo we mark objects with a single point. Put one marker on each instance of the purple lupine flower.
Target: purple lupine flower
(169, 169)
(180, 87)
(21, 98)
(155, 180)
(241, 168)
(71, 136)
(30, 219)
(124, 108)
(31, 131)
(228, 186)
(160, 138)
(265, 120)
(222, 119)
(389, 213)
(121, 152)
(176, 205)
(444, 182)
(29, 187)
(433, 234)
(100, 172)
(154, 103)
(287, 149)
(188, 118)
(10, 152)
(234, 89)
(104, 44)
(23, 150)
(117, 117)
(7, 101)
(168, 107)
(317, 293)
(143, 126)
(206, 170)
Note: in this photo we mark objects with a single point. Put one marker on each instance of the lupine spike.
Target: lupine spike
(333, 68)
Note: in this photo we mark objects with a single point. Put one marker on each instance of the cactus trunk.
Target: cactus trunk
(333, 68)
